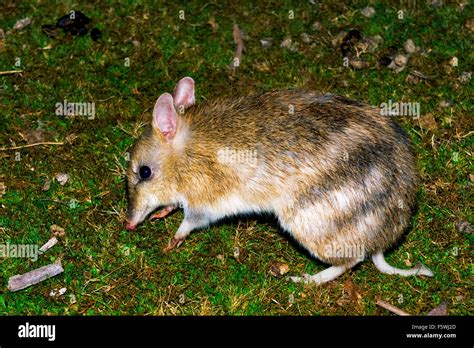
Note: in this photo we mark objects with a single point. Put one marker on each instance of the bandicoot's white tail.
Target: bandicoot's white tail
(384, 267)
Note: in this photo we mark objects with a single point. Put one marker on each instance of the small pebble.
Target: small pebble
(62, 178)
(412, 79)
(288, 44)
(2, 34)
(446, 103)
(306, 38)
(464, 227)
(410, 46)
(266, 42)
(317, 26)
(22, 23)
(57, 293)
(399, 63)
(368, 12)
(46, 185)
(436, 3)
(470, 24)
(465, 77)
(454, 61)
(136, 43)
(96, 34)
(73, 203)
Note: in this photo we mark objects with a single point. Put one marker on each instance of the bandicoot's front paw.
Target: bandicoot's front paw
(163, 212)
(174, 243)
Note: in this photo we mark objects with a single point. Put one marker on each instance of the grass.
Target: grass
(109, 271)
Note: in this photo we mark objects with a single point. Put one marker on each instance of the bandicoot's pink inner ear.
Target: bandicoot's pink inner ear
(184, 93)
(165, 118)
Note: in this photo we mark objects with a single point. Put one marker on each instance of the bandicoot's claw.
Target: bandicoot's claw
(163, 212)
(174, 243)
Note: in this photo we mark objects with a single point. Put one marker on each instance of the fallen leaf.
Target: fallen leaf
(46, 185)
(35, 136)
(442, 309)
(278, 269)
(357, 63)
(428, 122)
(352, 290)
(262, 66)
(3, 189)
(213, 24)
(57, 231)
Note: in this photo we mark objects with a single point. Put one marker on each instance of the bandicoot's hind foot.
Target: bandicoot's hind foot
(326, 275)
(384, 267)
(174, 243)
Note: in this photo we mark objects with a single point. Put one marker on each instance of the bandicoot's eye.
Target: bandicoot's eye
(145, 172)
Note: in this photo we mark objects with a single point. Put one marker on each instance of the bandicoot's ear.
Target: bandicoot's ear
(184, 94)
(165, 118)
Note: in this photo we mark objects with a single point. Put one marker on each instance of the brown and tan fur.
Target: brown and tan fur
(335, 172)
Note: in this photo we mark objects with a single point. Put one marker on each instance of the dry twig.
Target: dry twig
(392, 308)
(30, 145)
(19, 282)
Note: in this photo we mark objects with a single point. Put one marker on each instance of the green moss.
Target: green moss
(114, 272)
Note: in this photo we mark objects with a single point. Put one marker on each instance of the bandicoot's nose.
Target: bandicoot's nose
(129, 226)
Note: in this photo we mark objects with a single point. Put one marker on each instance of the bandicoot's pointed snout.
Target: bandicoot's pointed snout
(129, 226)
